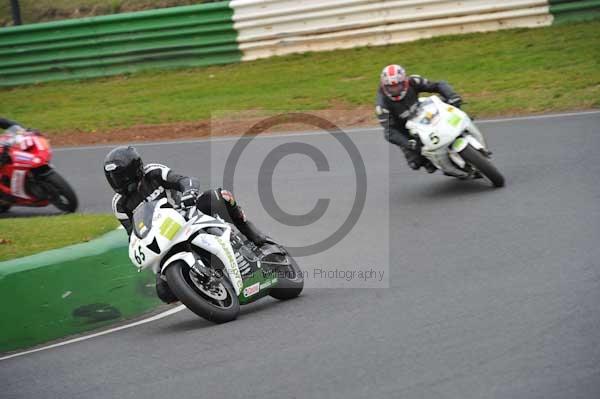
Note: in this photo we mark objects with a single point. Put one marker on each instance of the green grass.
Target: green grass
(33, 11)
(26, 236)
(508, 72)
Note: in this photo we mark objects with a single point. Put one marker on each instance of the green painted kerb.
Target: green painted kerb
(574, 10)
(71, 290)
(189, 36)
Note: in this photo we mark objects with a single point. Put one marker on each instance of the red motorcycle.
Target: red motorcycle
(29, 179)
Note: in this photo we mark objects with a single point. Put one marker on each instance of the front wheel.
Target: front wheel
(60, 193)
(215, 301)
(4, 208)
(483, 165)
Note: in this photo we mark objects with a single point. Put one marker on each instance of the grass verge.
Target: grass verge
(27, 236)
(519, 71)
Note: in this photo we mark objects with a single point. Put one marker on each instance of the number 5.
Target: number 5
(434, 138)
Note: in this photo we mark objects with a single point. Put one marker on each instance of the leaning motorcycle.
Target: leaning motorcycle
(209, 265)
(452, 142)
(29, 179)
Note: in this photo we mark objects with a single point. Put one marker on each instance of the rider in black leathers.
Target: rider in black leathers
(7, 123)
(397, 100)
(133, 183)
(4, 155)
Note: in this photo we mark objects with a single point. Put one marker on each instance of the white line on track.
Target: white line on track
(534, 117)
(98, 334)
(312, 133)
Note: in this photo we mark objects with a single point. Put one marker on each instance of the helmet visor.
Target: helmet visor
(123, 180)
(395, 90)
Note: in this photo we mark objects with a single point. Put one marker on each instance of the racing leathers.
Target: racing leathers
(7, 123)
(159, 181)
(392, 116)
(5, 144)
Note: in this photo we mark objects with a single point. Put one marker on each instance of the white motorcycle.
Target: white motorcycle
(452, 142)
(210, 267)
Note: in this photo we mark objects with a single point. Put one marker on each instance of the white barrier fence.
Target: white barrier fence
(277, 27)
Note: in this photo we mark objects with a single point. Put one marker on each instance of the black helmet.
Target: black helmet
(124, 169)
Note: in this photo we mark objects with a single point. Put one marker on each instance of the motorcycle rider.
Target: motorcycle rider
(7, 123)
(133, 183)
(397, 101)
(6, 144)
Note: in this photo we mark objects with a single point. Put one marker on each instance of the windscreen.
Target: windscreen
(428, 112)
(142, 218)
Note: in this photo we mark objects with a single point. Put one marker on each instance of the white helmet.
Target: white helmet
(394, 82)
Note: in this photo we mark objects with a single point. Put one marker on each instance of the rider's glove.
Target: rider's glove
(412, 145)
(188, 198)
(455, 101)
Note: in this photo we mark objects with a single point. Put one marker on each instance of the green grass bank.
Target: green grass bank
(27, 236)
(513, 72)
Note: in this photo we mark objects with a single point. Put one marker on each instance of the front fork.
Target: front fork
(475, 132)
(460, 143)
(36, 185)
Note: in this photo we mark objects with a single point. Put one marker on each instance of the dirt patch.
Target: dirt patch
(247, 121)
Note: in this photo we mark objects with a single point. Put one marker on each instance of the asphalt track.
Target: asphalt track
(487, 293)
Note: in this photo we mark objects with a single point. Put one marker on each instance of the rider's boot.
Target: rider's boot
(430, 167)
(413, 158)
(239, 219)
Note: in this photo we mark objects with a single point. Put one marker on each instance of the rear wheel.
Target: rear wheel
(4, 208)
(290, 281)
(483, 165)
(60, 193)
(216, 302)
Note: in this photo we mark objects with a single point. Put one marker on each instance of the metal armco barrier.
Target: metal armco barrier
(574, 10)
(71, 290)
(108, 45)
(241, 30)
